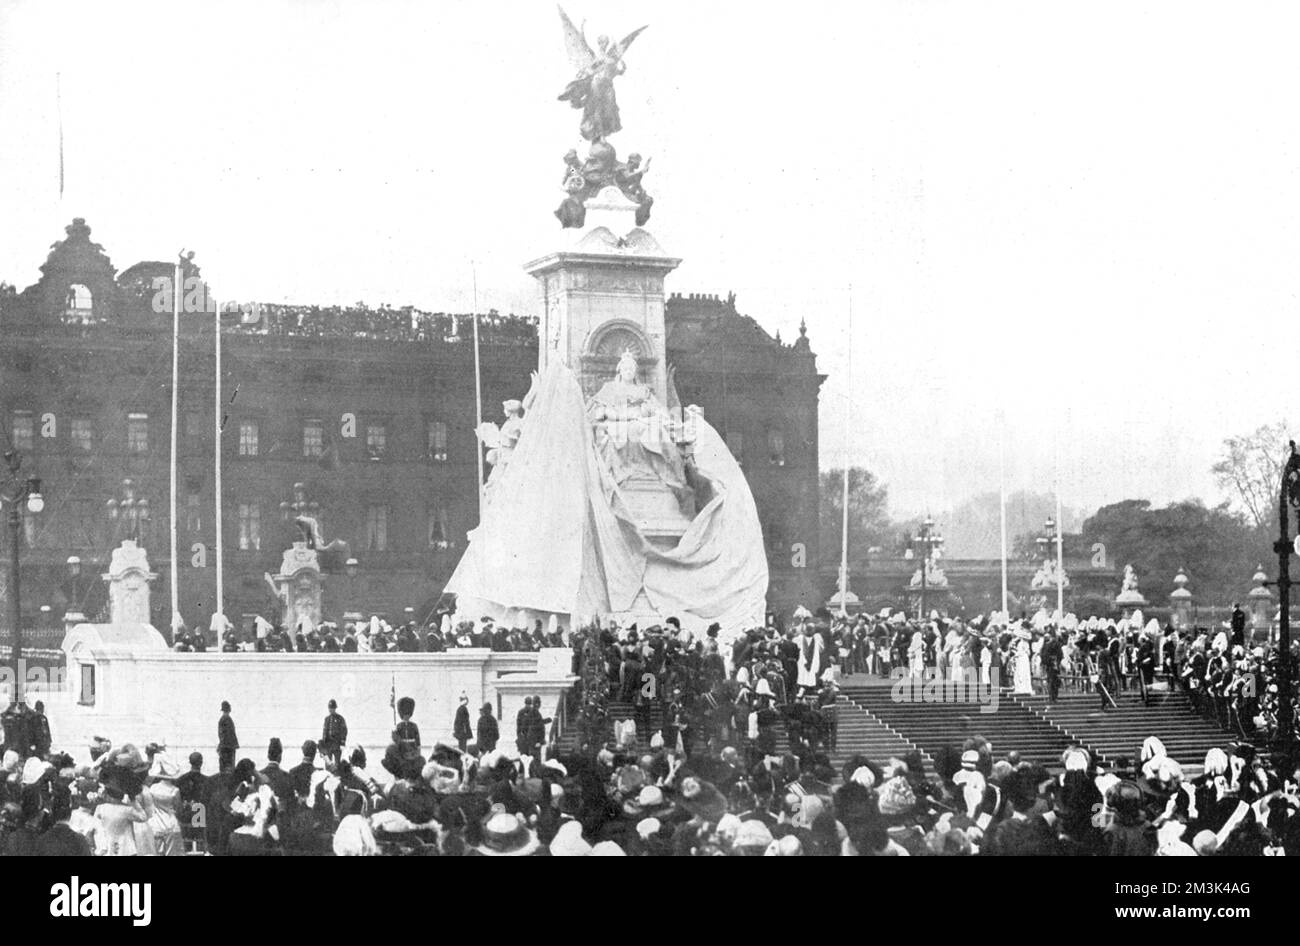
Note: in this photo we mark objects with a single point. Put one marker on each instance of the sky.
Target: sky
(1066, 228)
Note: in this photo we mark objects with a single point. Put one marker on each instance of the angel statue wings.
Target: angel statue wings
(592, 90)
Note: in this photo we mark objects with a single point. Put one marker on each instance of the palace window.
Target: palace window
(376, 440)
(439, 535)
(24, 430)
(83, 434)
(250, 527)
(776, 447)
(137, 433)
(80, 305)
(86, 694)
(377, 528)
(248, 432)
(313, 439)
(438, 441)
(193, 516)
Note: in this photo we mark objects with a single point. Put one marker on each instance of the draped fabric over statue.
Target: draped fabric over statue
(555, 536)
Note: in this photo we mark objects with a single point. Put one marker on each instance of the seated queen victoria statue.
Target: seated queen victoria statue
(634, 435)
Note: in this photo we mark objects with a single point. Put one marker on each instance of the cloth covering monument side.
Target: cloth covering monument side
(555, 536)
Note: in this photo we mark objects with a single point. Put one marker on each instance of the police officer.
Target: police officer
(334, 734)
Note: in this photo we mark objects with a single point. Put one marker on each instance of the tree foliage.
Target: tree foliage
(1250, 470)
(868, 513)
(1217, 547)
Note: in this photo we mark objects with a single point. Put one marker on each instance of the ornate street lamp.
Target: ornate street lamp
(21, 494)
(928, 541)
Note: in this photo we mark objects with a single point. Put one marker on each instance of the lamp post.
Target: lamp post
(74, 573)
(1290, 496)
(928, 541)
(1052, 533)
(23, 493)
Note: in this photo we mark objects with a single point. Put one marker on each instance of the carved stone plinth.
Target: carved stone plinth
(128, 578)
(602, 294)
(299, 584)
(658, 513)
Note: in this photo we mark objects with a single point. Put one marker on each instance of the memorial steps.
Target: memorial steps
(858, 732)
(1120, 731)
(936, 725)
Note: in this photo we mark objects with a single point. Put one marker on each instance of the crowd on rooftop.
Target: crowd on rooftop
(388, 324)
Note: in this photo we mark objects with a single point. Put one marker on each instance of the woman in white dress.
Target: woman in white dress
(916, 654)
(1021, 674)
(118, 817)
(165, 796)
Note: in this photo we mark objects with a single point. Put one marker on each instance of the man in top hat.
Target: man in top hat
(462, 730)
(333, 734)
(1051, 657)
(1238, 625)
(525, 727)
(488, 731)
(39, 728)
(227, 741)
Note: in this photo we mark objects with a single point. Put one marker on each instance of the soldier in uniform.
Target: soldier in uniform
(334, 734)
(407, 734)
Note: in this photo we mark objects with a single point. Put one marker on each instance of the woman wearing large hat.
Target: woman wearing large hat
(506, 835)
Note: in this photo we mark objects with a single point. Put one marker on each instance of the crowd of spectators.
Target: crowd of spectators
(375, 636)
(676, 754)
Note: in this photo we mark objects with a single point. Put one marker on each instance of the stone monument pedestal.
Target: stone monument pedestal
(299, 584)
(604, 294)
(658, 513)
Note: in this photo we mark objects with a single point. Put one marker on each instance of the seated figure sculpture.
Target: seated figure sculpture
(634, 434)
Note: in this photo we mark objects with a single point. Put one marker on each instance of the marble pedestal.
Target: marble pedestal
(659, 515)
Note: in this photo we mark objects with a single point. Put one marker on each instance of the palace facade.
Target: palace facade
(361, 418)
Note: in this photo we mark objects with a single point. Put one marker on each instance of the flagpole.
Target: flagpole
(844, 525)
(1060, 554)
(58, 106)
(1002, 505)
(478, 393)
(176, 350)
(216, 463)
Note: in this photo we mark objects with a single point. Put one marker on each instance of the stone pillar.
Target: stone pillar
(604, 295)
(1261, 607)
(1180, 603)
(128, 578)
(1130, 598)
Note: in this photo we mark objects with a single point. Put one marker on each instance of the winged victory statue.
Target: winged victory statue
(592, 90)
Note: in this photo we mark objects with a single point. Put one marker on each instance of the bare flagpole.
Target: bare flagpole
(176, 354)
(478, 392)
(844, 526)
(1002, 505)
(216, 462)
(58, 106)
(1060, 553)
